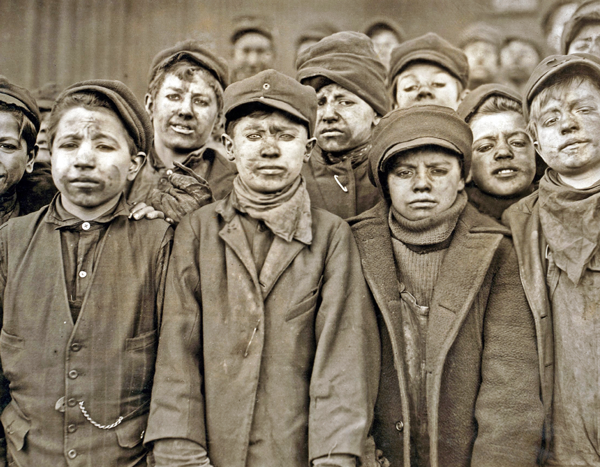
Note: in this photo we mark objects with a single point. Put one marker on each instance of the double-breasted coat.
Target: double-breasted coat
(482, 376)
(271, 368)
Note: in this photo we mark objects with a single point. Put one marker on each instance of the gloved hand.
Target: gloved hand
(179, 194)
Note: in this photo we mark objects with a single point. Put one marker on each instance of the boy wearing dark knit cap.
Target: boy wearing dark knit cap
(269, 351)
(185, 168)
(459, 379)
(24, 187)
(428, 70)
(556, 231)
(351, 94)
(80, 287)
(253, 49)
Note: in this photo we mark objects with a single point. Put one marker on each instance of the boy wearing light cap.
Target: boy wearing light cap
(556, 231)
(351, 98)
(80, 287)
(459, 378)
(269, 351)
(428, 70)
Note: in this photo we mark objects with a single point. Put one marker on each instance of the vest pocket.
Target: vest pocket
(11, 351)
(16, 425)
(130, 433)
(141, 357)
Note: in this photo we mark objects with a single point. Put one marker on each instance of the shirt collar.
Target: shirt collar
(62, 218)
(200, 153)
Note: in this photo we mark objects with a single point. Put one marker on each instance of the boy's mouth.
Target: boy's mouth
(84, 182)
(505, 172)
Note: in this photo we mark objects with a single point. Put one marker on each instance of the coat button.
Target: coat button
(72, 428)
(82, 274)
(72, 453)
(399, 426)
(75, 347)
(73, 374)
(72, 402)
(85, 226)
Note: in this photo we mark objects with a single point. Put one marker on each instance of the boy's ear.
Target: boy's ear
(137, 162)
(462, 95)
(310, 145)
(149, 104)
(31, 155)
(228, 143)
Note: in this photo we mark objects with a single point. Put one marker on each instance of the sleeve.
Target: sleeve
(345, 375)
(508, 409)
(177, 404)
(4, 384)
(178, 453)
(162, 263)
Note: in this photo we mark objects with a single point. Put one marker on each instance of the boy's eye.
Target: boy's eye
(67, 145)
(403, 173)
(9, 146)
(438, 171)
(346, 103)
(321, 102)
(201, 101)
(439, 85)
(484, 148)
(287, 137)
(105, 147)
(550, 121)
(519, 143)
(410, 88)
(173, 97)
(253, 136)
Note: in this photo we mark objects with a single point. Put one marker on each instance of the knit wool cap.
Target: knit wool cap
(586, 13)
(276, 90)
(472, 101)
(376, 25)
(195, 52)
(348, 59)
(20, 98)
(552, 67)
(430, 48)
(480, 32)
(248, 24)
(129, 110)
(414, 127)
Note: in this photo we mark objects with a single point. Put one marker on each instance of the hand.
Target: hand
(142, 210)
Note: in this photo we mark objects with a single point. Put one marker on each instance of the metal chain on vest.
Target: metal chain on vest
(96, 424)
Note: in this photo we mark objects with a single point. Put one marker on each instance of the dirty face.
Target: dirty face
(384, 41)
(15, 160)
(427, 84)
(252, 53)
(483, 61)
(91, 159)
(268, 150)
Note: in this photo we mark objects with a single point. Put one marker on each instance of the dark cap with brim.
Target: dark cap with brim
(472, 101)
(414, 127)
(552, 67)
(248, 24)
(195, 52)
(20, 98)
(274, 89)
(128, 109)
(587, 13)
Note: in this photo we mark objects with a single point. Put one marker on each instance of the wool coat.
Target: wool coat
(523, 219)
(105, 360)
(266, 368)
(483, 386)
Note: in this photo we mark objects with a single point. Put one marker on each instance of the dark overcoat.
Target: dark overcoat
(265, 369)
(483, 386)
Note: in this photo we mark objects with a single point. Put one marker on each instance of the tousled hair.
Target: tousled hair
(27, 129)
(494, 105)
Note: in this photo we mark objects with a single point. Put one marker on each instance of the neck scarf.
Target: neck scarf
(570, 221)
(492, 205)
(357, 155)
(286, 213)
(431, 231)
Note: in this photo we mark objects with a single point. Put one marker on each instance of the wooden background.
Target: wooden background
(70, 40)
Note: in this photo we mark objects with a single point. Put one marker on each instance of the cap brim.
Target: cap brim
(8, 99)
(431, 56)
(417, 143)
(277, 104)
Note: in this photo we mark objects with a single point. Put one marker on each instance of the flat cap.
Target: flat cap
(129, 110)
(274, 89)
(552, 67)
(316, 33)
(587, 12)
(20, 98)
(480, 32)
(348, 59)
(375, 25)
(472, 101)
(413, 127)
(430, 48)
(246, 24)
(196, 52)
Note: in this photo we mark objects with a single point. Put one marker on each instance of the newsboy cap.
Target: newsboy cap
(480, 32)
(20, 98)
(587, 13)
(552, 67)
(414, 127)
(348, 59)
(274, 89)
(247, 24)
(196, 52)
(128, 109)
(475, 99)
(375, 25)
(430, 48)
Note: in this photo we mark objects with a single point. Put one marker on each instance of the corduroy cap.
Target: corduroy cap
(247, 24)
(348, 59)
(22, 99)
(472, 101)
(276, 90)
(480, 32)
(553, 66)
(196, 52)
(430, 48)
(587, 13)
(413, 127)
(129, 110)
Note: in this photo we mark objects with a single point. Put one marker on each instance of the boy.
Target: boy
(459, 378)
(556, 234)
(269, 352)
(80, 287)
(427, 70)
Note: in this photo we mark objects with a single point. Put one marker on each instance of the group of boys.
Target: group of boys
(265, 330)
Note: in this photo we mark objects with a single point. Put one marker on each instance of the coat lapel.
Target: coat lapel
(280, 256)
(233, 235)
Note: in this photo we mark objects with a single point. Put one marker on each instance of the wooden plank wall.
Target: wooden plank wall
(69, 40)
